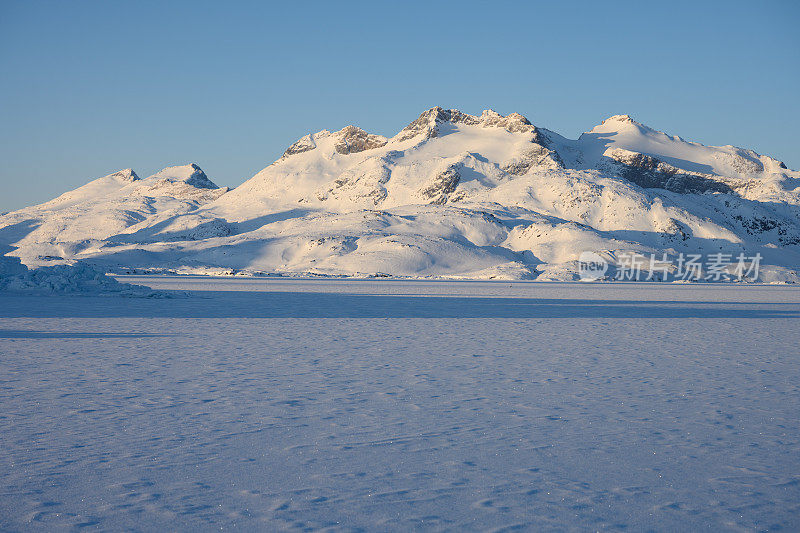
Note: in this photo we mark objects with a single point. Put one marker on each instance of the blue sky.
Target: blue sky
(88, 88)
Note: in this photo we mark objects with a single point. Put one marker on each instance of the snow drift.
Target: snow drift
(78, 278)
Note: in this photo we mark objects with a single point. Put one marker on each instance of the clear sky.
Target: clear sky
(87, 88)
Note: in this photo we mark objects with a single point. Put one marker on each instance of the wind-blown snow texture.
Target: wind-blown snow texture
(450, 196)
(269, 405)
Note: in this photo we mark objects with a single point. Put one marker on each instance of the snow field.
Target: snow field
(347, 405)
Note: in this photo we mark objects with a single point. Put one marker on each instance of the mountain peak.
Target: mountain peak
(625, 119)
(427, 123)
(621, 123)
(126, 174)
(513, 122)
(352, 139)
(191, 174)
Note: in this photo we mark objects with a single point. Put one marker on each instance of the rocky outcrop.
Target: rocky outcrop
(304, 144)
(514, 122)
(427, 124)
(125, 175)
(363, 185)
(352, 140)
(348, 140)
(443, 184)
(651, 173)
(537, 156)
(199, 179)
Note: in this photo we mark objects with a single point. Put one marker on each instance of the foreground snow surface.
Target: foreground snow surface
(384, 405)
(451, 196)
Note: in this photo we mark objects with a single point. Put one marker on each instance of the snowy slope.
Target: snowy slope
(79, 219)
(451, 195)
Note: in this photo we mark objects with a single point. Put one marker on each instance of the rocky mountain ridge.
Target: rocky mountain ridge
(451, 195)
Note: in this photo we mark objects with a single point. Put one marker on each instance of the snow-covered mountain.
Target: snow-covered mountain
(80, 220)
(451, 195)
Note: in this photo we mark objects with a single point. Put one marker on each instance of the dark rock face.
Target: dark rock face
(200, 180)
(443, 184)
(651, 173)
(675, 231)
(349, 140)
(353, 140)
(368, 185)
(536, 156)
(303, 144)
(438, 115)
(428, 121)
(126, 175)
(514, 122)
(425, 124)
(757, 224)
(746, 162)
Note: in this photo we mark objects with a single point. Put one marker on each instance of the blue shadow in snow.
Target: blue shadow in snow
(29, 334)
(239, 304)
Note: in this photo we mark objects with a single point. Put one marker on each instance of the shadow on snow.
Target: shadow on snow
(240, 304)
(29, 334)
